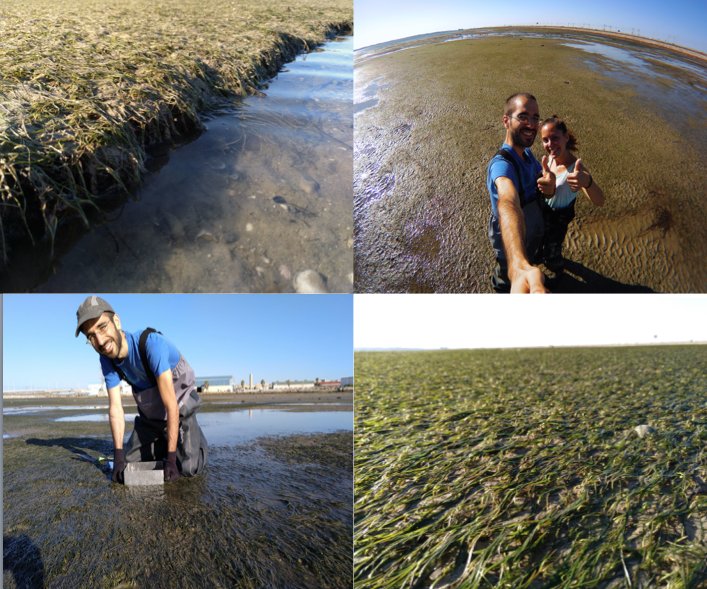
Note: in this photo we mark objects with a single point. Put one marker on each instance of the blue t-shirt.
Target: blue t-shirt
(499, 167)
(161, 356)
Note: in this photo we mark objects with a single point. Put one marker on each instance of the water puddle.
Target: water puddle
(262, 196)
(671, 83)
(237, 427)
(614, 53)
(96, 417)
(40, 408)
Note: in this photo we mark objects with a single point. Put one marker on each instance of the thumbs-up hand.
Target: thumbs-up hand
(546, 182)
(580, 178)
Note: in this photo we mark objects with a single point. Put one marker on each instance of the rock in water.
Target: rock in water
(309, 282)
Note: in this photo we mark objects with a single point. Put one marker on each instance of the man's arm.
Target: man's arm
(523, 275)
(116, 417)
(169, 398)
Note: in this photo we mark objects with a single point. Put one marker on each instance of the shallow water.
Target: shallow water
(274, 512)
(262, 195)
(237, 427)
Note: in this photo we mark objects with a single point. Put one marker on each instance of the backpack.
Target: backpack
(142, 349)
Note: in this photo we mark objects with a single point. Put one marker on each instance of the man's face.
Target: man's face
(523, 122)
(104, 335)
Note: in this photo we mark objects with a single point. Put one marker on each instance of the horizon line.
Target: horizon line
(618, 32)
(525, 347)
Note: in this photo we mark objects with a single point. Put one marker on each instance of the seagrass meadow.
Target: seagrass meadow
(526, 468)
(88, 90)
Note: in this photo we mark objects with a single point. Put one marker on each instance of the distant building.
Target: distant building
(216, 384)
(328, 384)
(100, 389)
(347, 381)
(292, 385)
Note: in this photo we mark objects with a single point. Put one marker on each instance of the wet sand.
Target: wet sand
(428, 120)
(276, 512)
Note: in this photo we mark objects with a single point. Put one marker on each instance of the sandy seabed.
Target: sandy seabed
(428, 120)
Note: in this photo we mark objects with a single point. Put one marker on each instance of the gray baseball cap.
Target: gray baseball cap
(92, 308)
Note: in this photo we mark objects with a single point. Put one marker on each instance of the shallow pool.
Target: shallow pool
(236, 427)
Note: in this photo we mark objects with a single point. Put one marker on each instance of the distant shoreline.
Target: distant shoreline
(264, 398)
(625, 36)
(685, 51)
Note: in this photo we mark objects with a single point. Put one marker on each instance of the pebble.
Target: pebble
(285, 272)
(249, 227)
(205, 235)
(309, 282)
(176, 228)
(643, 430)
(308, 185)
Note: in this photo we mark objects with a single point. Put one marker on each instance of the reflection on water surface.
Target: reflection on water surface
(236, 427)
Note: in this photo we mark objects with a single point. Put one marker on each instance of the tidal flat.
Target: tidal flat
(527, 468)
(91, 98)
(428, 120)
(273, 511)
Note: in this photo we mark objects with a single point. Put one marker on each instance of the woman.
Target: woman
(571, 176)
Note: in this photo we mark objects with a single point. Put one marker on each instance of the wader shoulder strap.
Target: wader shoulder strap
(511, 160)
(142, 349)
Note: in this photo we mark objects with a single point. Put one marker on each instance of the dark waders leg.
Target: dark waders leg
(192, 450)
(148, 441)
(556, 224)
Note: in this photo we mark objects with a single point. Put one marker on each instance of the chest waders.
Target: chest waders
(534, 229)
(148, 441)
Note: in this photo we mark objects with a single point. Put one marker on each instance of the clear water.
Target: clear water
(263, 194)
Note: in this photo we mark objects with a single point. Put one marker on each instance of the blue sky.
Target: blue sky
(275, 337)
(488, 321)
(679, 21)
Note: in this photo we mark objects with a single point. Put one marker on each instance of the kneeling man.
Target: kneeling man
(164, 388)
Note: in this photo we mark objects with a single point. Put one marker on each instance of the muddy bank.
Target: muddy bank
(89, 94)
(429, 119)
(273, 513)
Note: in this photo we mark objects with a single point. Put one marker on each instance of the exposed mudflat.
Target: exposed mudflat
(428, 119)
(274, 512)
